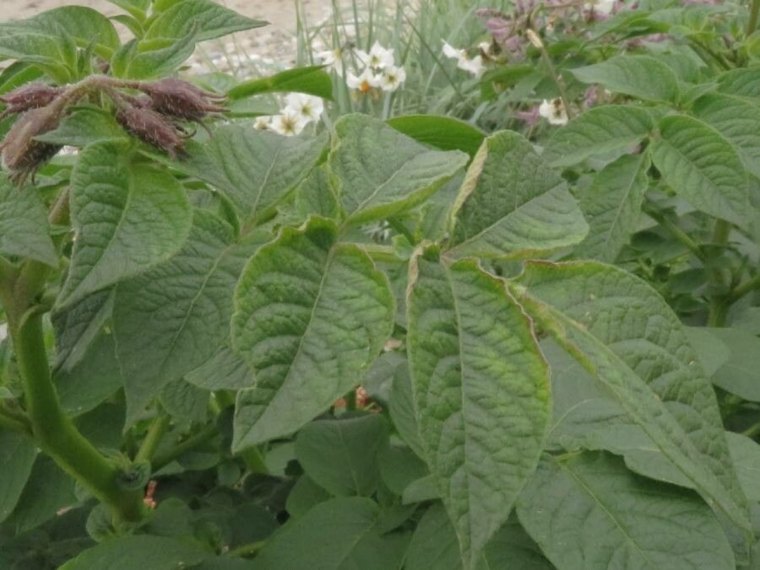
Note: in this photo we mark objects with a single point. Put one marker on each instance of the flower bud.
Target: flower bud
(22, 155)
(180, 99)
(151, 127)
(31, 96)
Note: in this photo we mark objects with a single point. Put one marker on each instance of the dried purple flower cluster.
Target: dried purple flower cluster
(155, 117)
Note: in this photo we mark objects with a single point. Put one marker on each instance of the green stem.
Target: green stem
(745, 288)
(197, 439)
(254, 460)
(754, 11)
(153, 437)
(673, 229)
(56, 434)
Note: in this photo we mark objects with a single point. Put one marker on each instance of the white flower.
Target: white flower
(473, 65)
(307, 106)
(364, 82)
(333, 59)
(377, 58)
(392, 78)
(287, 123)
(553, 111)
(600, 6)
(262, 123)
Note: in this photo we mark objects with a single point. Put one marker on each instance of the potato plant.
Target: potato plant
(403, 344)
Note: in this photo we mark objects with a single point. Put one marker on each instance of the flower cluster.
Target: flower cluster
(155, 116)
(379, 71)
(299, 111)
(471, 63)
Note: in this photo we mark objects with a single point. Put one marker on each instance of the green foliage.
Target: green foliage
(402, 344)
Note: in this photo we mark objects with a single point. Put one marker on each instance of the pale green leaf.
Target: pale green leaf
(86, 26)
(640, 76)
(738, 121)
(207, 18)
(341, 455)
(127, 217)
(17, 455)
(82, 127)
(339, 534)
(600, 130)
(512, 205)
(311, 80)
(255, 169)
(49, 52)
(612, 206)
(381, 172)
(740, 374)
(481, 393)
(78, 325)
(148, 59)
(310, 316)
(587, 512)
(226, 370)
(741, 82)
(24, 230)
(622, 332)
(702, 166)
(174, 317)
(444, 133)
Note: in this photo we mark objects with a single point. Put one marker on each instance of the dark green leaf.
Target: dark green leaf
(481, 394)
(381, 172)
(24, 230)
(140, 551)
(512, 205)
(17, 455)
(128, 216)
(310, 315)
(84, 126)
(587, 512)
(207, 18)
(312, 80)
(640, 76)
(444, 133)
(342, 455)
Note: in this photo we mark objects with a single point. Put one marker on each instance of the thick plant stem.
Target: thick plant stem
(56, 434)
(754, 12)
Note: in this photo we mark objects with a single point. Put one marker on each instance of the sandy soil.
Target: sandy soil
(275, 41)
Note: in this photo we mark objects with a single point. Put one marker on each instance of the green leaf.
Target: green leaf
(82, 127)
(311, 80)
(341, 455)
(512, 547)
(76, 327)
(713, 352)
(255, 169)
(17, 455)
(339, 534)
(185, 402)
(94, 377)
(226, 370)
(481, 393)
(310, 316)
(600, 130)
(400, 467)
(443, 133)
(174, 317)
(640, 76)
(86, 26)
(434, 543)
(627, 337)
(24, 230)
(381, 172)
(140, 551)
(745, 453)
(741, 82)
(49, 52)
(740, 374)
(612, 206)
(128, 216)
(402, 409)
(148, 59)
(47, 490)
(305, 495)
(316, 195)
(209, 19)
(512, 205)
(587, 512)
(738, 121)
(703, 167)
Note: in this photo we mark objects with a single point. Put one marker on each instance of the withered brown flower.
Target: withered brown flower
(151, 127)
(31, 96)
(22, 155)
(180, 99)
